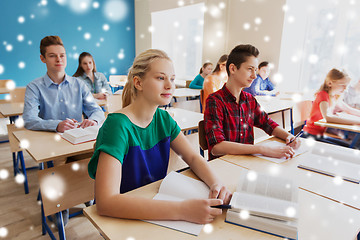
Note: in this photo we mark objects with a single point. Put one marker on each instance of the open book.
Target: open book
(303, 148)
(334, 163)
(178, 187)
(80, 135)
(271, 204)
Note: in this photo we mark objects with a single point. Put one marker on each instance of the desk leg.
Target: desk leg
(355, 140)
(23, 170)
(291, 121)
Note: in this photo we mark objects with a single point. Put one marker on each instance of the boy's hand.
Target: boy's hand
(87, 123)
(66, 125)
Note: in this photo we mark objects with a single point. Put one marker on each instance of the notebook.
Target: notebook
(80, 135)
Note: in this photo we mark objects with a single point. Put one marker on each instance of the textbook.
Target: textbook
(334, 163)
(302, 149)
(178, 187)
(80, 135)
(265, 203)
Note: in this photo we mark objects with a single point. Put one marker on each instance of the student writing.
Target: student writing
(326, 103)
(231, 113)
(132, 149)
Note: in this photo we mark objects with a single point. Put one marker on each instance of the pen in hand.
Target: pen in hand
(297, 135)
(222, 206)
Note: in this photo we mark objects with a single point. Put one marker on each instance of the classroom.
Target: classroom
(277, 108)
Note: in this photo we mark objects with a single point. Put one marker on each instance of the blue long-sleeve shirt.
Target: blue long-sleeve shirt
(259, 87)
(47, 103)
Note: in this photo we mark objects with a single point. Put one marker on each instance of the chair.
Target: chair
(4, 83)
(17, 155)
(187, 83)
(117, 82)
(63, 187)
(202, 138)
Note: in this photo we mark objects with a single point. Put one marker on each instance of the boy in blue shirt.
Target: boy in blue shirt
(56, 101)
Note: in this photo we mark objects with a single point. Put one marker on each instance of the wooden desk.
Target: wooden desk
(186, 92)
(11, 109)
(346, 192)
(346, 127)
(47, 146)
(113, 228)
(187, 120)
(314, 211)
(321, 218)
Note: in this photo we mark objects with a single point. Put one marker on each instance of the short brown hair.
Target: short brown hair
(239, 55)
(48, 41)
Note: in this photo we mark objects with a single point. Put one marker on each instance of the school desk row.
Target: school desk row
(326, 211)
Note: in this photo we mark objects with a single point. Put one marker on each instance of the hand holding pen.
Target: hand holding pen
(296, 145)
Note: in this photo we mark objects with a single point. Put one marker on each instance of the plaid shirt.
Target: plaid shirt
(226, 120)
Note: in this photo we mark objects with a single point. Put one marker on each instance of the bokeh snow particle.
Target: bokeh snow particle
(87, 36)
(219, 33)
(3, 232)
(80, 6)
(53, 187)
(244, 214)
(180, 37)
(21, 65)
(21, 19)
(274, 170)
(180, 3)
(24, 143)
(266, 38)
(4, 174)
(113, 70)
(115, 10)
(285, 8)
(296, 97)
(251, 176)
(329, 16)
(75, 166)
(57, 137)
(2, 69)
(20, 178)
(258, 21)
(106, 27)
(215, 12)
(313, 58)
(290, 212)
(278, 78)
(30, 42)
(197, 39)
(19, 122)
(222, 5)
(176, 24)
(338, 180)
(246, 26)
(291, 19)
(121, 54)
(9, 47)
(130, 238)
(211, 44)
(208, 228)
(151, 29)
(20, 37)
(10, 85)
(95, 5)
(79, 28)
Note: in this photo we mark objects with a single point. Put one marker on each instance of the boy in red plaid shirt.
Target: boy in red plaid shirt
(231, 113)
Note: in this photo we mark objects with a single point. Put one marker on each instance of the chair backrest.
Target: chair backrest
(114, 103)
(202, 138)
(17, 95)
(65, 186)
(202, 100)
(187, 84)
(14, 143)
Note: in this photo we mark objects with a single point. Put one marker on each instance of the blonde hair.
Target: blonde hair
(333, 75)
(139, 68)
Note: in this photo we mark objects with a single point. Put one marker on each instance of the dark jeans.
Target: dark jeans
(326, 139)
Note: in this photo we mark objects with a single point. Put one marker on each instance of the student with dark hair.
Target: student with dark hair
(231, 113)
(57, 101)
(96, 81)
(262, 86)
(198, 81)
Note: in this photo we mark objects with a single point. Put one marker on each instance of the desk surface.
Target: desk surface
(346, 192)
(11, 109)
(352, 128)
(327, 218)
(272, 105)
(187, 120)
(47, 146)
(113, 228)
(186, 92)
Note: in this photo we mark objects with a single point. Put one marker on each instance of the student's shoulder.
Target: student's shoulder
(36, 83)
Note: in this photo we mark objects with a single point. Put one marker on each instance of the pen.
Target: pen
(75, 122)
(223, 206)
(297, 135)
